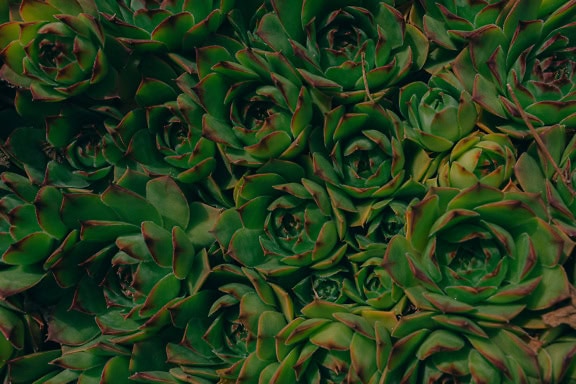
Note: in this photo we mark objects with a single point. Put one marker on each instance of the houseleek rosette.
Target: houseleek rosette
(370, 283)
(344, 49)
(57, 49)
(167, 26)
(282, 223)
(536, 174)
(121, 263)
(32, 228)
(256, 107)
(323, 284)
(361, 153)
(448, 23)
(69, 153)
(376, 222)
(478, 158)
(334, 343)
(165, 139)
(478, 258)
(443, 20)
(435, 347)
(480, 253)
(437, 114)
(532, 62)
(229, 331)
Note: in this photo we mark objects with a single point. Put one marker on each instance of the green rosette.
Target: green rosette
(352, 51)
(256, 106)
(528, 65)
(282, 223)
(478, 158)
(480, 252)
(437, 114)
(56, 49)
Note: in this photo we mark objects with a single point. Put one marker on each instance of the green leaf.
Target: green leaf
(403, 349)
(153, 92)
(269, 325)
(19, 278)
(271, 30)
(228, 222)
(171, 30)
(104, 230)
(116, 371)
(20, 185)
(159, 243)
(132, 207)
(80, 360)
(245, 247)
(183, 255)
(36, 10)
(71, 327)
(333, 337)
(27, 368)
(481, 370)
(319, 195)
(553, 288)
(163, 291)
(202, 220)
(79, 207)
(305, 329)
(270, 145)
(491, 352)
(12, 328)
(164, 194)
(29, 250)
(439, 341)
(48, 202)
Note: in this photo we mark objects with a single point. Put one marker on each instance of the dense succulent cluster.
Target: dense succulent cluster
(287, 191)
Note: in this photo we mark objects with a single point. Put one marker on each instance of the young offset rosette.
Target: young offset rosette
(345, 49)
(438, 114)
(56, 49)
(528, 65)
(256, 107)
(480, 252)
(371, 284)
(478, 158)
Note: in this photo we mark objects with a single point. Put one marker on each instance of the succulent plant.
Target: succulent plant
(347, 49)
(256, 107)
(229, 332)
(472, 258)
(56, 49)
(438, 114)
(360, 153)
(163, 26)
(280, 224)
(478, 158)
(281, 191)
(531, 61)
(333, 342)
(432, 347)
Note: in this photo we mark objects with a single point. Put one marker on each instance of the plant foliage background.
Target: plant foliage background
(313, 191)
